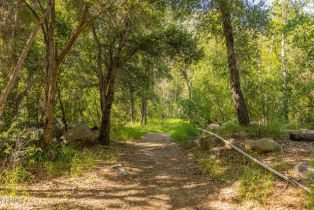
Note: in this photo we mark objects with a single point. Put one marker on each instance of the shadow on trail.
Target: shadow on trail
(160, 176)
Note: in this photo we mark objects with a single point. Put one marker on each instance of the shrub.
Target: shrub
(273, 129)
(229, 127)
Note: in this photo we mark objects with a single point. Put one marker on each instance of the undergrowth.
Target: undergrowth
(256, 184)
(273, 129)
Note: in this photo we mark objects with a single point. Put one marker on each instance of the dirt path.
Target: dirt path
(160, 176)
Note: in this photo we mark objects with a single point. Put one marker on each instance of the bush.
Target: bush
(20, 145)
(273, 129)
(183, 131)
(229, 127)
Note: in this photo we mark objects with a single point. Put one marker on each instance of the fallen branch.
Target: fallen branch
(288, 179)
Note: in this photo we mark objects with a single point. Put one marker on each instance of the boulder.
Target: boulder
(304, 170)
(79, 135)
(263, 145)
(205, 143)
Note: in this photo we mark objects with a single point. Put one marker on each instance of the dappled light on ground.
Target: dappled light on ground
(160, 175)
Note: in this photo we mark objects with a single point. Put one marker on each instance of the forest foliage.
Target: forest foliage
(115, 64)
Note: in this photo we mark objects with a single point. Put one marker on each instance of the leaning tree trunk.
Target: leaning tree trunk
(242, 112)
(19, 65)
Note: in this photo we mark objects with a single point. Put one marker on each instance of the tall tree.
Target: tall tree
(238, 98)
(19, 65)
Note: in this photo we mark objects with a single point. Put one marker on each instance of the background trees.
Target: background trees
(106, 63)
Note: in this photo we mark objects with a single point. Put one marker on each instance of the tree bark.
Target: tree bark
(132, 107)
(62, 110)
(112, 71)
(285, 101)
(54, 63)
(52, 74)
(18, 66)
(302, 135)
(99, 69)
(242, 112)
(144, 111)
(270, 53)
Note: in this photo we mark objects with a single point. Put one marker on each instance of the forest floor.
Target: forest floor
(160, 175)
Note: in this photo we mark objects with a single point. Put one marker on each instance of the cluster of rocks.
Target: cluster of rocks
(215, 146)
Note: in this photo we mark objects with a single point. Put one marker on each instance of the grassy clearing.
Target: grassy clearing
(179, 130)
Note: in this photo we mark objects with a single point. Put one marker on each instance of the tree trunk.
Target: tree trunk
(99, 69)
(263, 108)
(54, 63)
(144, 111)
(52, 74)
(132, 107)
(104, 136)
(62, 110)
(270, 53)
(242, 112)
(18, 66)
(109, 86)
(302, 135)
(285, 101)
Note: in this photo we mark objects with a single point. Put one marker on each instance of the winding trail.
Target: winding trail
(160, 176)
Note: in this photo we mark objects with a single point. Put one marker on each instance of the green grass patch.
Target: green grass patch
(230, 167)
(179, 130)
(10, 178)
(273, 129)
(70, 161)
(73, 161)
(256, 184)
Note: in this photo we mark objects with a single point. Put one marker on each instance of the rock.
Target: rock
(115, 166)
(205, 143)
(122, 171)
(263, 145)
(213, 126)
(78, 135)
(304, 170)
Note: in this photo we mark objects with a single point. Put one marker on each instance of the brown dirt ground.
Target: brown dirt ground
(161, 176)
